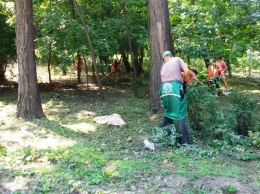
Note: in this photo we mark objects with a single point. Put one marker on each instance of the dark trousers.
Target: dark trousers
(182, 127)
(216, 82)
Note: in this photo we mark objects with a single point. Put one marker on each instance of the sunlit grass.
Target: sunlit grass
(67, 152)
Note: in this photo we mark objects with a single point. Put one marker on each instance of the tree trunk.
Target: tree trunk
(29, 101)
(125, 60)
(139, 56)
(229, 67)
(49, 62)
(207, 62)
(86, 66)
(79, 67)
(91, 49)
(2, 71)
(130, 48)
(160, 41)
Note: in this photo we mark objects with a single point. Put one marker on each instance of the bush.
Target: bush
(104, 68)
(241, 115)
(166, 136)
(243, 62)
(255, 138)
(203, 108)
(234, 146)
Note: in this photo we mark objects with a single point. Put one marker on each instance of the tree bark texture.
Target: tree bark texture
(29, 103)
(160, 41)
(125, 60)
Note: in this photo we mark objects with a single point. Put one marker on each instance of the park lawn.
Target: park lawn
(67, 152)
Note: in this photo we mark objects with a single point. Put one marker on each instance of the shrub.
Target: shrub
(203, 108)
(166, 136)
(255, 138)
(234, 146)
(241, 115)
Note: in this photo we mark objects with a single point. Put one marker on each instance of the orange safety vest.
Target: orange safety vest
(116, 66)
(213, 70)
(80, 64)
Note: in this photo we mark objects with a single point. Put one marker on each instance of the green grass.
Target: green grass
(67, 152)
(191, 161)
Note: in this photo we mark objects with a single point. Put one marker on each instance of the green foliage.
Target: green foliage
(206, 116)
(255, 138)
(203, 109)
(241, 115)
(233, 145)
(139, 82)
(76, 163)
(206, 29)
(7, 40)
(60, 35)
(243, 62)
(104, 68)
(229, 189)
(187, 159)
(3, 150)
(166, 136)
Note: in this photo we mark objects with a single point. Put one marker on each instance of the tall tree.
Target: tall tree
(130, 47)
(29, 101)
(160, 40)
(91, 49)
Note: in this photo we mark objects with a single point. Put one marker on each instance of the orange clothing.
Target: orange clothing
(191, 76)
(80, 64)
(116, 66)
(213, 71)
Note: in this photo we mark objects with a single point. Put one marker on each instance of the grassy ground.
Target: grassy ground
(67, 152)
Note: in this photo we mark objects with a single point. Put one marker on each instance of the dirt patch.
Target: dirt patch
(177, 184)
(218, 183)
(169, 184)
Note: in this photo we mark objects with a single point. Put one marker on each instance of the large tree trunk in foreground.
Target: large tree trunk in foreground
(29, 102)
(160, 41)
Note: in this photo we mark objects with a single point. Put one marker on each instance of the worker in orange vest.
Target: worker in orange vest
(80, 64)
(213, 74)
(116, 66)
